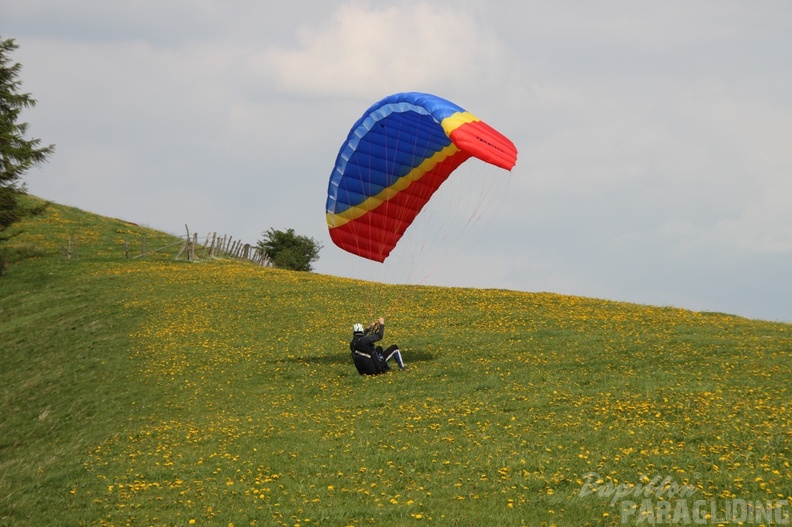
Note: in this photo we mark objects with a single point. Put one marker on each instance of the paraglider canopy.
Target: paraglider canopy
(395, 157)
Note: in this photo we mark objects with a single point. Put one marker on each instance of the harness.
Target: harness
(367, 363)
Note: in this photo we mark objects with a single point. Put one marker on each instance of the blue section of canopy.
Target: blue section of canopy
(392, 137)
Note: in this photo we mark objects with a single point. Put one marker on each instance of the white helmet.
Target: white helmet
(357, 328)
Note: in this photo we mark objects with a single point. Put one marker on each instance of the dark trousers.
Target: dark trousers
(392, 353)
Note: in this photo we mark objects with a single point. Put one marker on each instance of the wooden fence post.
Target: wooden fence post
(205, 244)
(187, 241)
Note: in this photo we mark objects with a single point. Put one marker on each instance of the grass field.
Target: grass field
(156, 391)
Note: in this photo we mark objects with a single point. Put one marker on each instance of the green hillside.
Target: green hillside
(156, 391)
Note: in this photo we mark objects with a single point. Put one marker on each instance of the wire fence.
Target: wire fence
(213, 246)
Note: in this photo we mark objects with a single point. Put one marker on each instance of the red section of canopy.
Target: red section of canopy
(374, 234)
(480, 140)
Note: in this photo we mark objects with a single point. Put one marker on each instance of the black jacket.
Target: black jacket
(365, 343)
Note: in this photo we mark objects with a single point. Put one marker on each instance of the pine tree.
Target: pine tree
(17, 154)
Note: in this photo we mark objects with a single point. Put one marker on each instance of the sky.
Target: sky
(654, 138)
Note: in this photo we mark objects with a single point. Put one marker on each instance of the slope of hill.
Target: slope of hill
(156, 391)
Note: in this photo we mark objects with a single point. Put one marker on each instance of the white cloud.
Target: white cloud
(362, 51)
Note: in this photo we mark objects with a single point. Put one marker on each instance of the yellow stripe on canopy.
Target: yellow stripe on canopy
(371, 203)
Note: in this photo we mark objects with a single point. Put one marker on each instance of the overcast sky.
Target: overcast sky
(654, 138)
